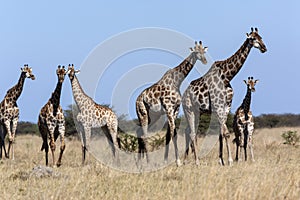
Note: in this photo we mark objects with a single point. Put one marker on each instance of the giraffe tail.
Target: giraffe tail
(44, 146)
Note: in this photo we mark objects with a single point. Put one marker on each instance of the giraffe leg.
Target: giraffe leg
(1, 145)
(237, 149)
(2, 141)
(194, 137)
(143, 116)
(46, 154)
(61, 132)
(238, 140)
(86, 137)
(83, 154)
(221, 161)
(187, 144)
(111, 135)
(14, 128)
(114, 134)
(193, 122)
(178, 162)
(82, 132)
(168, 139)
(52, 146)
(44, 133)
(245, 142)
(250, 134)
(242, 136)
(83, 142)
(7, 124)
(224, 133)
(227, 136)
(170, 135)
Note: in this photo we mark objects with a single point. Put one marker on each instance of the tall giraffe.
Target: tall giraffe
(213, 92)
(9, 114)
(51, 120)
(243, 123)
(164, 98)
(93, 115)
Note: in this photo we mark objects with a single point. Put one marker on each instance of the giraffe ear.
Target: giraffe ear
(205, 49)
(256, 81)
(191, 49)
(77, 71)
(248, 35)
(245, 82)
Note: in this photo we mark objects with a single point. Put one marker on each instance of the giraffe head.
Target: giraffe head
(251, 83)
(199, 51)
(256, 40)
(71, 71)
(61, 72)
(28, 72)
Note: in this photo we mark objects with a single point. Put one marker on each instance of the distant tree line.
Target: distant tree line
(129, 126)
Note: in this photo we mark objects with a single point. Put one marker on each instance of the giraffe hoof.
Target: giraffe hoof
(178, 163)
(221, 162)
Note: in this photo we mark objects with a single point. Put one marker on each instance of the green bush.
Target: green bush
(290, 137)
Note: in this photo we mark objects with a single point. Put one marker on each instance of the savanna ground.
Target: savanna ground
(274, 175)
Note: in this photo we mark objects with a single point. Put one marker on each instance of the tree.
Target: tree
(70, 128)
(27, 128)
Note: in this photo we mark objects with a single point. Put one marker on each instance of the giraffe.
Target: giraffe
(93, 115)
(213, 93)
(9, 114)
(164, 97)
(51, 121)
(243, 123)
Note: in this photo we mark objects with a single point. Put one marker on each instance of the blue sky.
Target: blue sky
(47, 33)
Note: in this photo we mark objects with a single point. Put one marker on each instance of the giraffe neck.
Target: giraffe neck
(55, 98)
(246, 103)
(79, 96)
(14, 93)
(233, 64)
(183, 69)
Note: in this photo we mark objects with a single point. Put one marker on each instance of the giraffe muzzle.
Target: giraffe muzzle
(263, 49)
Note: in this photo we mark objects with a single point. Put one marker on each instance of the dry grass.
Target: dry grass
(274, 175)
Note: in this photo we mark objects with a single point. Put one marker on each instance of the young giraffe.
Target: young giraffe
(9, 114)
(243, 123)
(164, 98)
(93, 115)
(51, 120)
(213, 92)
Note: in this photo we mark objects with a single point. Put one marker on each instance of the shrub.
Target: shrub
(290, 137)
